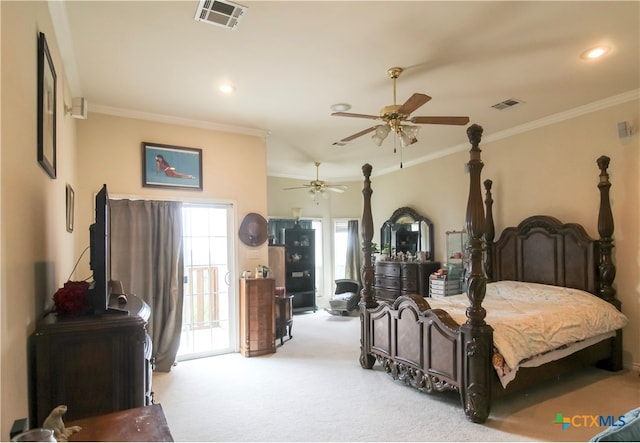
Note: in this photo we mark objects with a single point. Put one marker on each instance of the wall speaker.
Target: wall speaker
(624, 130)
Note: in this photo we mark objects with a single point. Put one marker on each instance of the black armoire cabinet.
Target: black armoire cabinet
(300, 268)
(93, 364)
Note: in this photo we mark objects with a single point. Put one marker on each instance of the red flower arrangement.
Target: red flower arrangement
(72, 298)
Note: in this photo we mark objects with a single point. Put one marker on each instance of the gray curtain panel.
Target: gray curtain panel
(146, 255)
(354, 261)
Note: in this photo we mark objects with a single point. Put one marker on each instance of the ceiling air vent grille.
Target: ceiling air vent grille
(506, 104)
(221, 13)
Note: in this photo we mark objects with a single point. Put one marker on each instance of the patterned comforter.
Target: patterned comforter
(531, 319)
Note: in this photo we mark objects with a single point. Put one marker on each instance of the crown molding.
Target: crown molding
(520, 129)
(172, 120)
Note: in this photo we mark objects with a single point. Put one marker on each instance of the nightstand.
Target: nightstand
(284, 316)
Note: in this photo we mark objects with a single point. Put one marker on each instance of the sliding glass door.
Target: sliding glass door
(209, 305)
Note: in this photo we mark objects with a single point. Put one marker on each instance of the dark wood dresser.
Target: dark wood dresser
(395, 278)
(257, 316)
(93, 364)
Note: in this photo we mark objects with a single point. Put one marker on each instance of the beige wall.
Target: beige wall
(37, 251)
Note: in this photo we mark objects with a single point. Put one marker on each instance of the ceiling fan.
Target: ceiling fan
(319, 187)
(396, 116)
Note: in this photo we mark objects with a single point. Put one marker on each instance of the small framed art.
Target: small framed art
(46, 108)
(167, 166)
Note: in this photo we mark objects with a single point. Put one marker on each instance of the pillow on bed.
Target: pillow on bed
(625, 429)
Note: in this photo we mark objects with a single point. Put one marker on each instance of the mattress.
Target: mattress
(533, 323)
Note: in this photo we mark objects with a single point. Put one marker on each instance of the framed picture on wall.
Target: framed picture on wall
(167, 166)
(46, 108)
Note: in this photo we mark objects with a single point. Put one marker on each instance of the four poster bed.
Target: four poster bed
(434, 344)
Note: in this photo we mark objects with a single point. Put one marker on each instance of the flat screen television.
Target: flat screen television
(100, 253)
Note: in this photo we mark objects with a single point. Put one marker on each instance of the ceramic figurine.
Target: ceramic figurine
(55, 423)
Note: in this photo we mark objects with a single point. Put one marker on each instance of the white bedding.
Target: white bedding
(530, 319)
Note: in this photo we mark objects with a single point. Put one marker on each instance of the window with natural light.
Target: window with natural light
(340, 234)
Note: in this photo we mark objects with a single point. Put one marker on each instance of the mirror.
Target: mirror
(407, 231)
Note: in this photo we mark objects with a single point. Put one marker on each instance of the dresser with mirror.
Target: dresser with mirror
(406, 261)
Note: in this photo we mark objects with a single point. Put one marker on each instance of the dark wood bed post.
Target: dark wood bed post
(489, 230)
(477, 336)
(606, 268)
(366, 294)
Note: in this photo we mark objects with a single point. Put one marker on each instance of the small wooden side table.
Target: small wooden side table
(146, 423)
(284, 316)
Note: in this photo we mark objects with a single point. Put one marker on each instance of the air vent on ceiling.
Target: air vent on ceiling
(220, 12)
(509, 103)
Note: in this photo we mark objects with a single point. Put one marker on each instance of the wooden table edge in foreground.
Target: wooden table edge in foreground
(146, 423)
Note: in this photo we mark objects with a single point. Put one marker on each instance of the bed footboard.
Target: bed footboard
(414, 344)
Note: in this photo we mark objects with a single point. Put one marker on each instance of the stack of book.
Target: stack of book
(440, 285)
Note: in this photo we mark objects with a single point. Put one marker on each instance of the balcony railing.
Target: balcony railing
(201, 298)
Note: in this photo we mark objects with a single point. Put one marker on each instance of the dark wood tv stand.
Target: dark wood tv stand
(93, 364)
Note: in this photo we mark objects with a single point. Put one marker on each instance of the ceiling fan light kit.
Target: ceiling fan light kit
(408, 135)
(313, 194)
(395, 117)
(381, 133)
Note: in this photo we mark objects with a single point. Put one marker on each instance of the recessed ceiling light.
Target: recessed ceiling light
(596, 52)
(226, 89)
(340, 107)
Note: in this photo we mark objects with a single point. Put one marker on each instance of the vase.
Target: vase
(37, 434)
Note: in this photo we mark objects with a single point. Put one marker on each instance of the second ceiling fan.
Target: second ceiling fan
(396, 116)
(319, 187)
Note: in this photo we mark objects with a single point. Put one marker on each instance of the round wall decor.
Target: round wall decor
(253, 230)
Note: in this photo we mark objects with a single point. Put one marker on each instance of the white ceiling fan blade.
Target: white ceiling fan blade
(297, 187)
(336, 188)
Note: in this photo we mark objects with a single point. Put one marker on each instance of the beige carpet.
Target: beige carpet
(313, 389)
